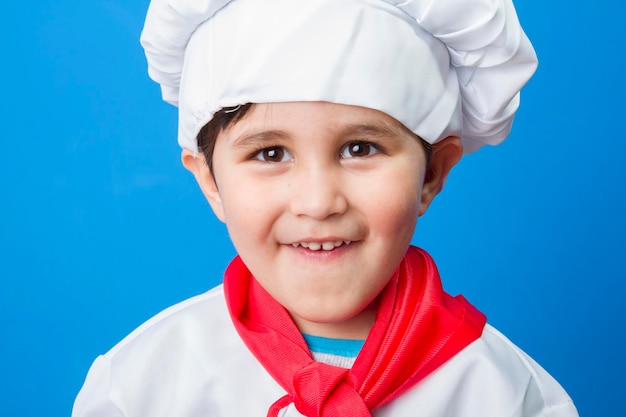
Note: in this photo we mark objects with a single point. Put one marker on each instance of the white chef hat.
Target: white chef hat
(441, 67)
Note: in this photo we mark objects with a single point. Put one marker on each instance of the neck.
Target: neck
(354, 328)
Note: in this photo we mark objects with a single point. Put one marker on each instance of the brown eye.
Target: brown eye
(358, 150)
(273, 154)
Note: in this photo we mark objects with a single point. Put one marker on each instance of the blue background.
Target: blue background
(100, 226)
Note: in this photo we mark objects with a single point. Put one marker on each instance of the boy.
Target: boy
(319, 132)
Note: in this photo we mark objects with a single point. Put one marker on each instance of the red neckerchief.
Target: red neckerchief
(418, 328)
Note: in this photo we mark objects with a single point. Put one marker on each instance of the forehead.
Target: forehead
(315, 118)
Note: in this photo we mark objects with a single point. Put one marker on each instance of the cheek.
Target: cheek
(248, 213)
(393, 206)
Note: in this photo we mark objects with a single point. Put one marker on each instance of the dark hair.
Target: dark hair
(230, 115)
(221, 120)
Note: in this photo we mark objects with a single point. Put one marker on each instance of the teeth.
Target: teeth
(315, 246)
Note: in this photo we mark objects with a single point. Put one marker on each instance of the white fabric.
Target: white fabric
(444, 67)
(188, 361)
(335, 360)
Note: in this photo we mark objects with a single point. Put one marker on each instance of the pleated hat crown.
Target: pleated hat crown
(444, 67)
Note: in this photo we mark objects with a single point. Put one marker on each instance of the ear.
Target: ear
(196, 164)
(445, 154)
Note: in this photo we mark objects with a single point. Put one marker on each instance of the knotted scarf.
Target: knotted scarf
(418, 328)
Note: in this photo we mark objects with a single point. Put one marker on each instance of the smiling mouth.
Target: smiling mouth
(326, 246)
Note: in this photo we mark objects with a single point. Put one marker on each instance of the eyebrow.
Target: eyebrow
(376, 130)
(254, 138)
(360, 130)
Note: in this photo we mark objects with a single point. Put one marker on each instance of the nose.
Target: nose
(318, 193)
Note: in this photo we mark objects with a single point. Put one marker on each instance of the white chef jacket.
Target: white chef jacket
(188, 361)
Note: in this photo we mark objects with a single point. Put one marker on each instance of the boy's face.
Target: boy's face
(320, 201)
